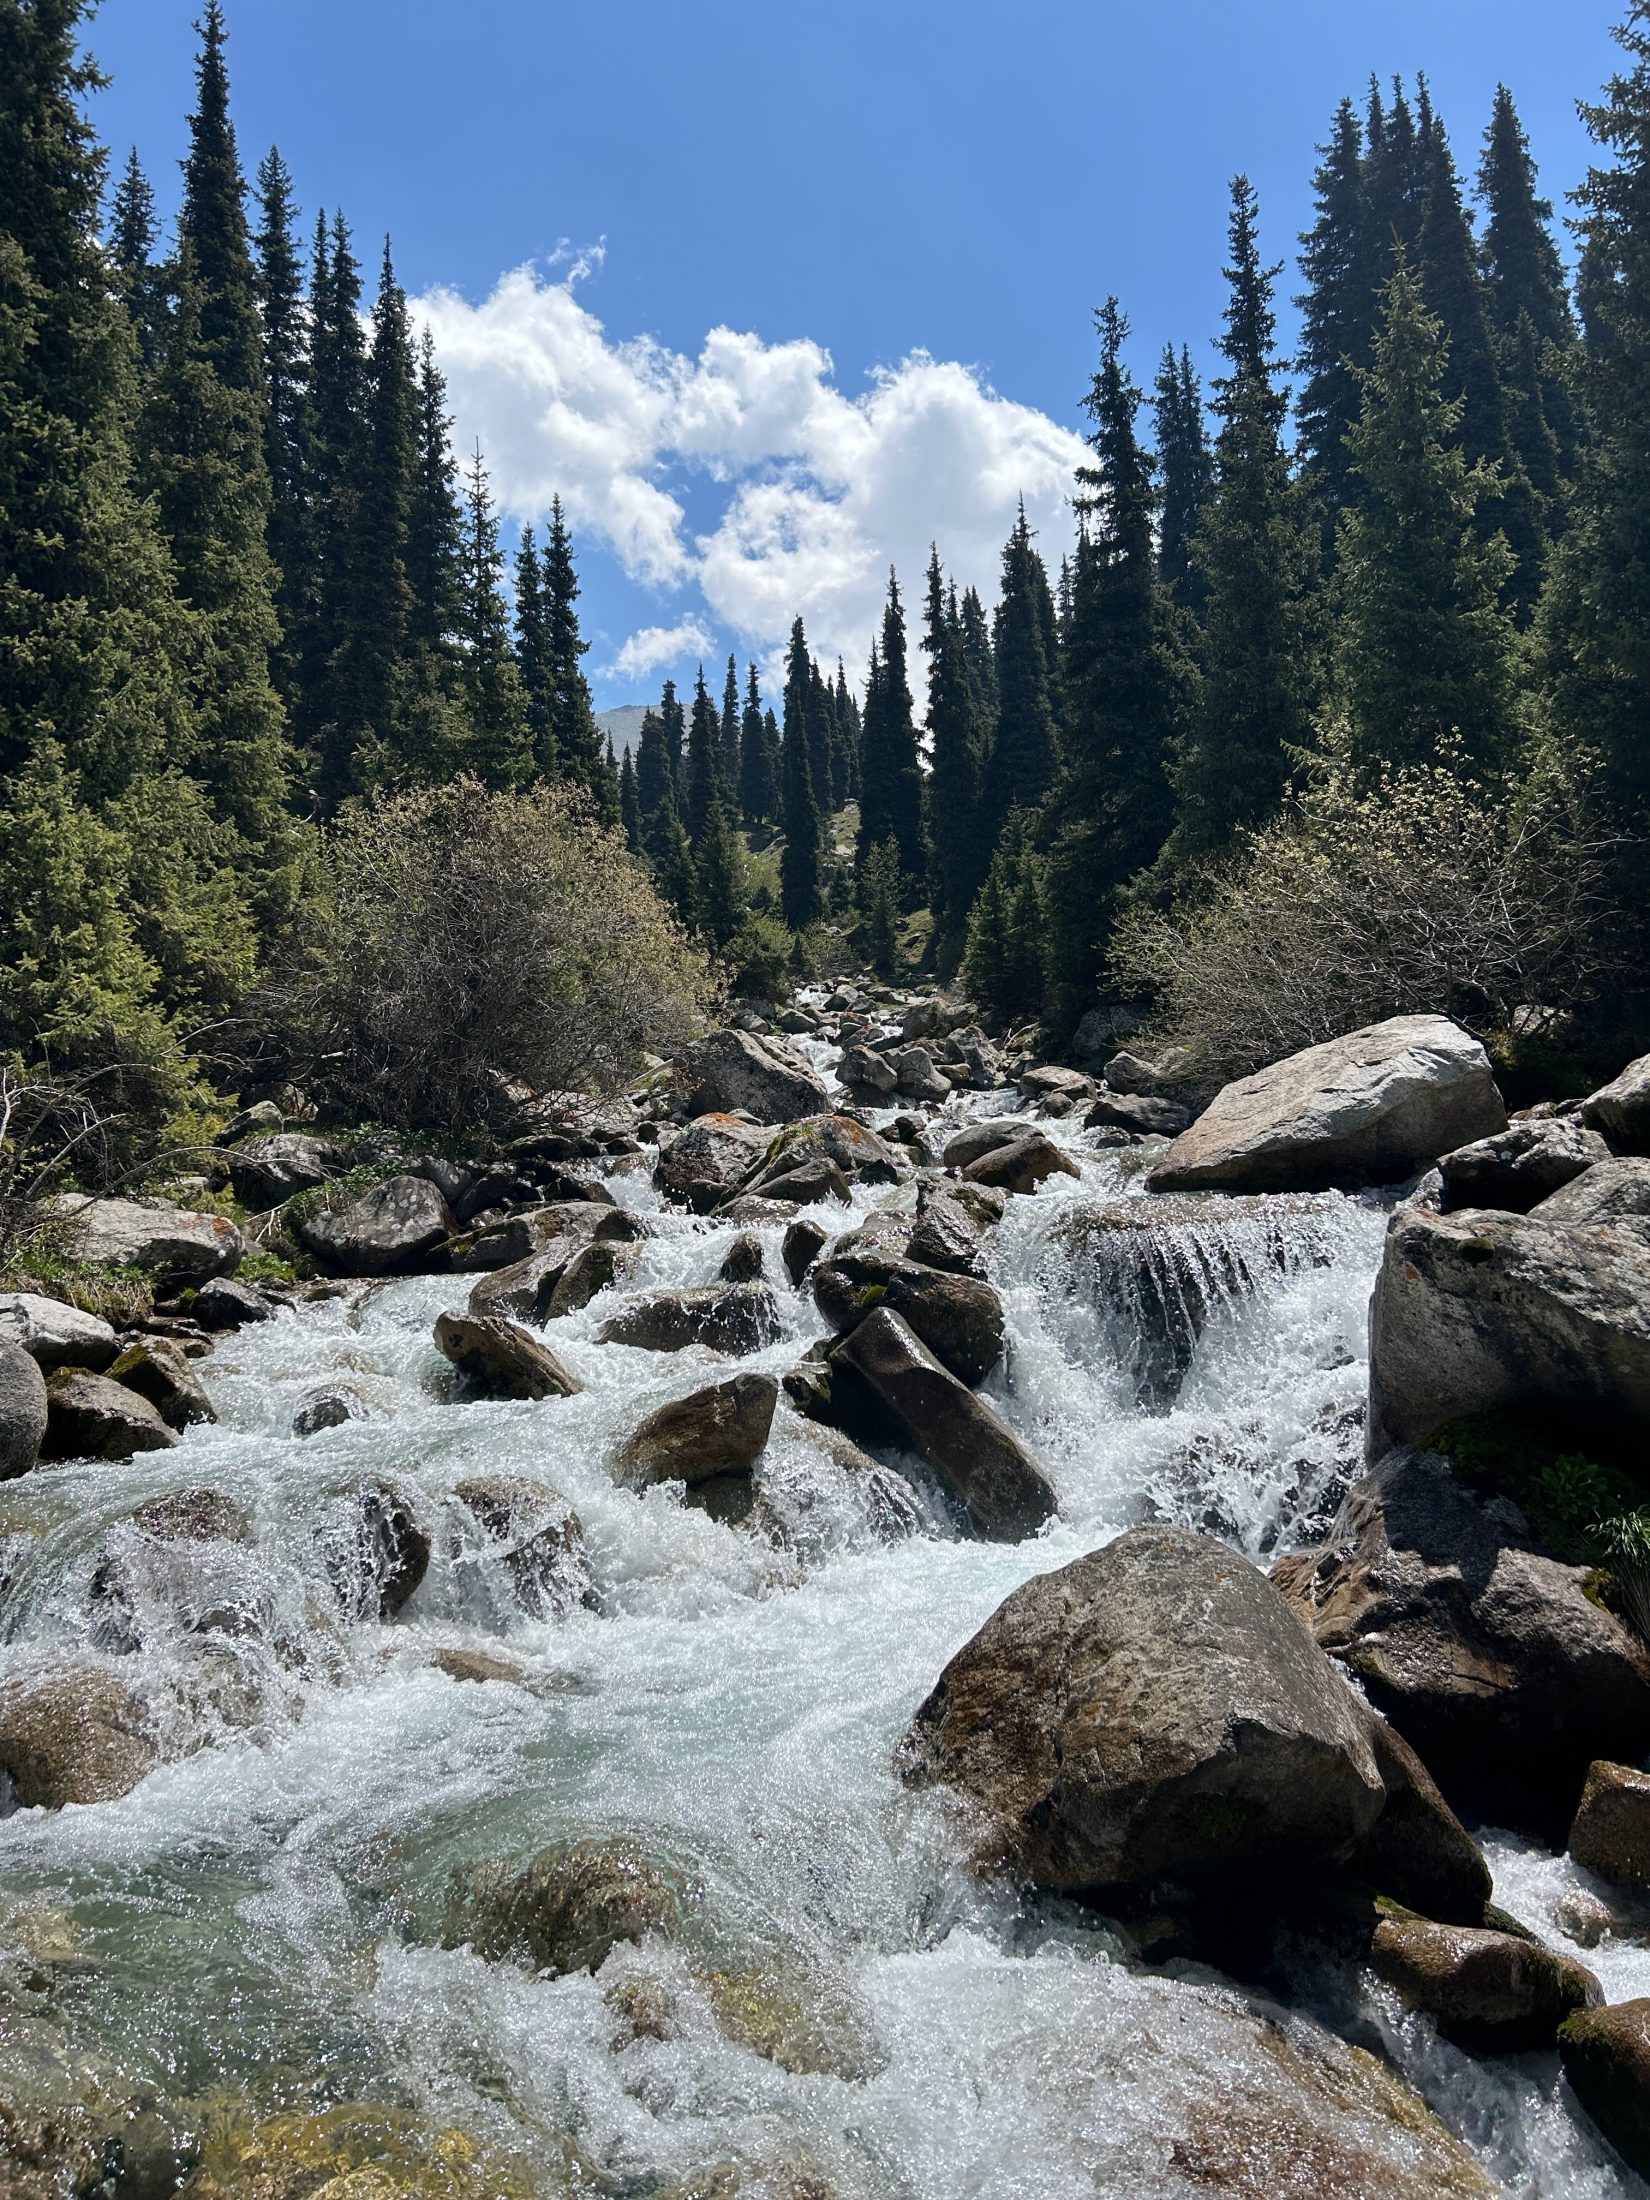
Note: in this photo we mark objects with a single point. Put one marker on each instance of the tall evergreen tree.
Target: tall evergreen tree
(850, 734)
(673, 718)
(212, 222)
(1184, 468)
(1395, 180)
(979, 656)
(134, 232)
(1020, 769)
(1528, 303)
(1340, 260)
(500, 745)
(758, 784)
(630, 805)
(719, 871)
(957, 849)
(802, 859)
(336, 423)
(533, 652)
(1126, 683)
(577, 737)
(732, 742)
(704, 760)
(432, 517)
(280, 290)
(1005, 961)
(890, 774)
(1258, 555)
(1423, 649)
(655, 786)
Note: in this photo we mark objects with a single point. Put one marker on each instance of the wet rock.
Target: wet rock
(172, 1244)
(710, 1158)
(1607, 1195)
(929, 1018)
(382, 1554)
(1153, 1712)
(768, 1078)
(362, 2151)
(807, 1183)
(1050, 1082)
(1418, 1852)
(946, 1237)
(727, 1317)
(1611, 1832)
(192, 1516)
(958, 1318)
(266, 1172)
(497, 1359)
(1520, 1166)
(743, 1260)
(1373, 1107)
(1000, 1487)
(803, 1242)
(223, 1304)
(1606, 2057)
(717, 1432)
(537, 1536)
(90, 1417)
(984, 1204)
(263, 1116)
(566, 1909)
(593, 1269)
(79, 1737)
(1488, 1992)
(567, 1187)
(523, 1291)
(850, 1146)
(158, 1371)
(508, 1240)
(392, 1229)
(54, 1334)
(807, 2023)
(976, 1140)
(1489, 1656)
(1480, 1311)
(1621, 1109)
(23, 1410)
(749, 1212)
(477, 1665)
(1127, 1111)
(863, 1070)
(916, 1078)
(1022, 1165)
(325, 1409)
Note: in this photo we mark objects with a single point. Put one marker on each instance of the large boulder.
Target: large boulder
(224, 1304)
(946, 1236)
(892, 1379)
(917, 1078)
(1152, 1714)
(1371, 1108)
(709, 1442)
(1611, 1832)
(1490, 1992)
(523, 1290)
(537, 1537)
(1606, 2057)
(958, 1317)
(727, 1317)
(734, 1071)
(977, 1139)
(864, 1071)
(1490, 1657)
(157, 1370)
(565, 1909)
(376, 1550)
(22, 1410)
(1520, 1166)
(496, 1359)
(593, 1269)
(1621, 1109)
(711, 1157)
(172, 1244)
(54, 1334)
(1021, 1165)
(79, 1737)
(1612, 1193)
(856, 1151)
(1418, 1852)
(1479, 1311)
(391, 1229)
(265, 1172)
(90, 1417)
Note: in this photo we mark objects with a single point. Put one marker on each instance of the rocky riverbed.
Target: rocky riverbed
(527, 1716)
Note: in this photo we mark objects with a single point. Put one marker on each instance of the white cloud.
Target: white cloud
(653, 646)
(823, 491)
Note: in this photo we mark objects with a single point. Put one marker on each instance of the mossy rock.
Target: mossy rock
(357, 2152)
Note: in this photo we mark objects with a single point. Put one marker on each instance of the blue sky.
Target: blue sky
(900, 216)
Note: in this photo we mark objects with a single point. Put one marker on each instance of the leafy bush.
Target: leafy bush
(475, 937)
(1418, 892)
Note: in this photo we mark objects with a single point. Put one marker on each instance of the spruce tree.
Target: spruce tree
(1423, 651)
(673, 718)
(1529, 307)
(1004, 963)
(500, 749)
(1395, 181)
(1021, 765)
(280, 290)
(802, 859)
(1184, 468)
(434, 732)
(1258, 556)
(957, 852)
(655, 786)
(731, 733)
(577, 737)
(704, 761)
(212, 222)
(758, 784)
(723, 899)
(134, 232)
(630, 805)
(1126, 686)
(850, 734)
(533, 652)
(879, 894)
(1340, 259)
(336, 432)
(979, 655)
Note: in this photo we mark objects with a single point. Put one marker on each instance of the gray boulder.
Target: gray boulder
(863, 1070)
(727, 1317)
(333, 1407)
(1489, 1992)
(1520, 1166)
(524, 1290)
(1606, 2057)
(710, 1158)
(22, 1410)
(267, 1171)
(708, 1441)
(1151, 1713)
(1156, 1075)
(986, 1136)
(158, 1371)
(803, 1242)
(54, 1334)
(892, 1379)
(1050, 1082)
(1140, 1112)
(391, 1229)
(593, 1269)
(1489, 1656)
(378, 1553)
(810, 1181)
(538, 1538)
(1621, 1109)
(495, 1359)
(916, 1078)
(958, 1318)
(89, 1417)
(744, 1260)
(769, 1078)
(1370, 1108)
(1021, 1165)
(224, 1304)
(847, 1145)
(1418, 1852)
(172, 1244)
(946, 1236)
(79, 1737)
(1479, 1311)
(1613, 1192)
(1610, 1834)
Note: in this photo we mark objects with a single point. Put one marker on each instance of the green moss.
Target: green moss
(871, 1295)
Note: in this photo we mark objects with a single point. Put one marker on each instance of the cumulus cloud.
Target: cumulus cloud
(653, 646)
(820, 491)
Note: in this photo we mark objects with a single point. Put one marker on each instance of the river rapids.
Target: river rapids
(846, 2011)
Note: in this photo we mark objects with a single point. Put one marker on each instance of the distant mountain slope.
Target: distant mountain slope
(622, 725)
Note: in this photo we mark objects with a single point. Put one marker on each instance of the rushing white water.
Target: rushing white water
(261, 1917)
